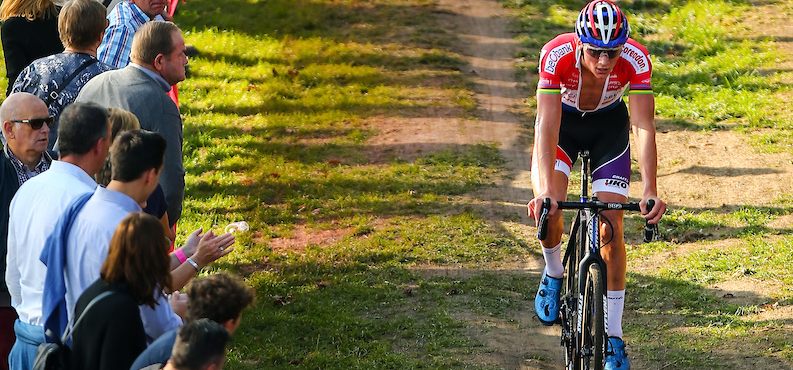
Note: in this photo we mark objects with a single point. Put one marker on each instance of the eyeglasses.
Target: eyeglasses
(597, 52)
(36, 123)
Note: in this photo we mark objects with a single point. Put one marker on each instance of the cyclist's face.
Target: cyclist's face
(600, 61)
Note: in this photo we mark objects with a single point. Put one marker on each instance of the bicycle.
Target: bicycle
(583, 304)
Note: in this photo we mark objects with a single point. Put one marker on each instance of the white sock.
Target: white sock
(553, 261)
(616, 304)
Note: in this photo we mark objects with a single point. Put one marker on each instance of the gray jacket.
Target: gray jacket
(131, 89)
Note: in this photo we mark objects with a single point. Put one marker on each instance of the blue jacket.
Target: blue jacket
(53, 306)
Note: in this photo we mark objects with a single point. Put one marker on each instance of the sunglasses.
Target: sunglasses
(36, 123)
(597, 52)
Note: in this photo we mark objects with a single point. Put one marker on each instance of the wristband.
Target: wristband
(190, 261)
(180, 255)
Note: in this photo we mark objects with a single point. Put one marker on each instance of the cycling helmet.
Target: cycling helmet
(602, 24)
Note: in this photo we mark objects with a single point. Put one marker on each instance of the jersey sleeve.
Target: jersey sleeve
(553, 57)
(639, 59)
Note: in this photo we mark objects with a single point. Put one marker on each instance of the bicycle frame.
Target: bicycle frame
(587, 253)
(581, 255)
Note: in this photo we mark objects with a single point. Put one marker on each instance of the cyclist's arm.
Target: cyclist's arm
(642, 111)
(546, 138)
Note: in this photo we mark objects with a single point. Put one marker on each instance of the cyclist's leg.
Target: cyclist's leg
(546, 302)
(611, 233)
(611, 176)
(613, 253)
(611, 165)
(552, 244)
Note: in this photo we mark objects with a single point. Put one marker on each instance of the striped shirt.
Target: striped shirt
(124, 19)
(23, 172)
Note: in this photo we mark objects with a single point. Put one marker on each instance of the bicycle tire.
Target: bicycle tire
(593, 336)
(569, 312)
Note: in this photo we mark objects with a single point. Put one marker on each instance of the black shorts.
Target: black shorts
(606, 136)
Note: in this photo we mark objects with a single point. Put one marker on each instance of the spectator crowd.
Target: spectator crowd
(91, 191)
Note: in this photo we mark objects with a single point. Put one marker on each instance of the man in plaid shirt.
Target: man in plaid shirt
(125, 19)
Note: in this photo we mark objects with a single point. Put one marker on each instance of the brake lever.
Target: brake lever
(650, 230)
(542, 224)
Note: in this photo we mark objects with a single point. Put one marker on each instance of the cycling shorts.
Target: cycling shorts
(606, 135)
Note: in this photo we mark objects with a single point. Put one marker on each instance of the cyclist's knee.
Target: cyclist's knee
(611, 228)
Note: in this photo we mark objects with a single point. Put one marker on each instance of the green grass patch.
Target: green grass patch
(277, 133)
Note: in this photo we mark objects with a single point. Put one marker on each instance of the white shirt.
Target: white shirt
(89, 239)
(35, 209)
(86, 250)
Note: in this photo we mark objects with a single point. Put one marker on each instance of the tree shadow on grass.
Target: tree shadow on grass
(376, 59)
(314, 311)
(725, 171)
(359, 301)
(672, 321)
(340, 21)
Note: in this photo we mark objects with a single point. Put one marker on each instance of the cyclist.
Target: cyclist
(583, 76)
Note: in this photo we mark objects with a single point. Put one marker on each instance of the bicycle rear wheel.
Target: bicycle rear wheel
(593, 336)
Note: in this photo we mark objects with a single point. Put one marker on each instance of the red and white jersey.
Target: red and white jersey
(560, 72)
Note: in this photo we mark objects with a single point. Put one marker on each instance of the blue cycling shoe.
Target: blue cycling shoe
(616, 357)
(546, 303)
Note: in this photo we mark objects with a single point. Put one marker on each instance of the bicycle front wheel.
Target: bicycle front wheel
(569, 312)
(593, 335)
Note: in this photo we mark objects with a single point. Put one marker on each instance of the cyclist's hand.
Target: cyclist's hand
(535, 206)
(655, 214)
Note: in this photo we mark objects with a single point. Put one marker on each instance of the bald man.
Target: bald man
(83, 142)
(26, 125)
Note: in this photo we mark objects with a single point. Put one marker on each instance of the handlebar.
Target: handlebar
(650, 230)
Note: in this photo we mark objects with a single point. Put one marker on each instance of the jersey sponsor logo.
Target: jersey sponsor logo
(636, 58)
(611, 96)
(570, 97)
(552, 60)
(572, 80)
(616, 183)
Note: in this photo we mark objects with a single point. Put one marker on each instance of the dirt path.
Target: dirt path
(489, 48)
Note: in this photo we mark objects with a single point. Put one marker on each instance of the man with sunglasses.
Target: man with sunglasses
(84, 140)
(26, 125)
(26, 128)
(583, 76)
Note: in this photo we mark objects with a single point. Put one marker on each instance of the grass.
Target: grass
(278, 118)
(280, 112)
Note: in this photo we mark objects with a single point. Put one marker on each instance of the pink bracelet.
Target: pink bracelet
(180, 255)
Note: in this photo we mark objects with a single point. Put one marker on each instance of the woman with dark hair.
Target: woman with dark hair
(29, 32)
(111, 334)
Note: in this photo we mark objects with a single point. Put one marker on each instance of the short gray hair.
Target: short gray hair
(152, 39)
